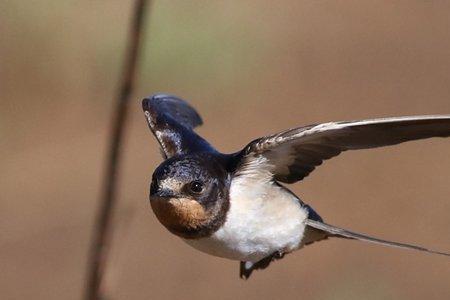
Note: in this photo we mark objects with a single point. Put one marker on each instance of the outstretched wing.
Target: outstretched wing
(172, 121)
(289, 156)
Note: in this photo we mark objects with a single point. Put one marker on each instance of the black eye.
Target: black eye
(196, 187)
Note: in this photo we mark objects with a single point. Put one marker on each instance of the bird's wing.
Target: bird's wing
(172, 121)
(289, 156)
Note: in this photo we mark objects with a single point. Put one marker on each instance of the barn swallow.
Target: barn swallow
(234, 205)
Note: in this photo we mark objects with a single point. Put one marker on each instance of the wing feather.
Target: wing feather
(172, 121)
(293, 154)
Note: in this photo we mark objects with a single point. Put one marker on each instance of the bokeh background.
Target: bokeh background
(251, 68)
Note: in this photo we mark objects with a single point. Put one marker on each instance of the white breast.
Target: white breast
(263, 218)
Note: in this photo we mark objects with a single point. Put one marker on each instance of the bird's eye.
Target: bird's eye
(196, 187)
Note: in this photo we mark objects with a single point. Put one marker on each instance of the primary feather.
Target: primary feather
(293, 154)
(172, 121)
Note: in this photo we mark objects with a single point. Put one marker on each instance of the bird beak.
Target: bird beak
(162, 195)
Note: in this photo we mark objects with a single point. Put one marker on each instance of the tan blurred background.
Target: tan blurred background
(251, 68)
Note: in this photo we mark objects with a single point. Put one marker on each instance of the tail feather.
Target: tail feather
(343, 233)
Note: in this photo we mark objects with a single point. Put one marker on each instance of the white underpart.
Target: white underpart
(263, 218)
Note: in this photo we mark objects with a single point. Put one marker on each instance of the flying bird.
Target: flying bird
(234, 205)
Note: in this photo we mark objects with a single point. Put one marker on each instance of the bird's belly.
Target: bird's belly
(259, 223)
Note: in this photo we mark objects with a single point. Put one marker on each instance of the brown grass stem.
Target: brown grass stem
(103, 228)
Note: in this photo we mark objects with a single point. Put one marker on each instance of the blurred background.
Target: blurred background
(251, 68)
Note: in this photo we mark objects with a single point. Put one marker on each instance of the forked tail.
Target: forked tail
(343, 233)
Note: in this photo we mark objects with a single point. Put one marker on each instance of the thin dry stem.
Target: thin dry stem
(103, 227)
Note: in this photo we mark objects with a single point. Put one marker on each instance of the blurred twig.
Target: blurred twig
(103, 229)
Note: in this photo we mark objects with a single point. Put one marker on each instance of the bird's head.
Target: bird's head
(189, 194)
